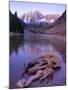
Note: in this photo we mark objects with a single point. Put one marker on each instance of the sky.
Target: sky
(24, 7)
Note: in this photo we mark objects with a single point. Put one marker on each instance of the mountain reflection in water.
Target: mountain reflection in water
(30, 47)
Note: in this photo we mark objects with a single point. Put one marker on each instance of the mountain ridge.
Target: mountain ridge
(37, 16)
(58, 27)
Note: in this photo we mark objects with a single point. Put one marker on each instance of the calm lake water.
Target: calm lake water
(30, 47)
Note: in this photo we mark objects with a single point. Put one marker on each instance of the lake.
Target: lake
(28, 47)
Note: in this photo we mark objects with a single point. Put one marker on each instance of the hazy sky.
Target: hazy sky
(44, 8)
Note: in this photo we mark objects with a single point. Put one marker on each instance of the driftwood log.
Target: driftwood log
(40, 69)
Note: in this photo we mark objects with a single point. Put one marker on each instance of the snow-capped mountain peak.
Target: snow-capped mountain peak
(37, 17)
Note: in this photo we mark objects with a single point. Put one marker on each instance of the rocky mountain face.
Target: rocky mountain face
(32, 17)
(51, 18)
(37, 17)
(58, 27)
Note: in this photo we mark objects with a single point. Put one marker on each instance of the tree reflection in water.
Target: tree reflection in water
(15, 43)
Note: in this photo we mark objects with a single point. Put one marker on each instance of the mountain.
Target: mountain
(58, 27)
(15, 24)
(37, 17)
(32, 17)
(51, 18)
(48, 24)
